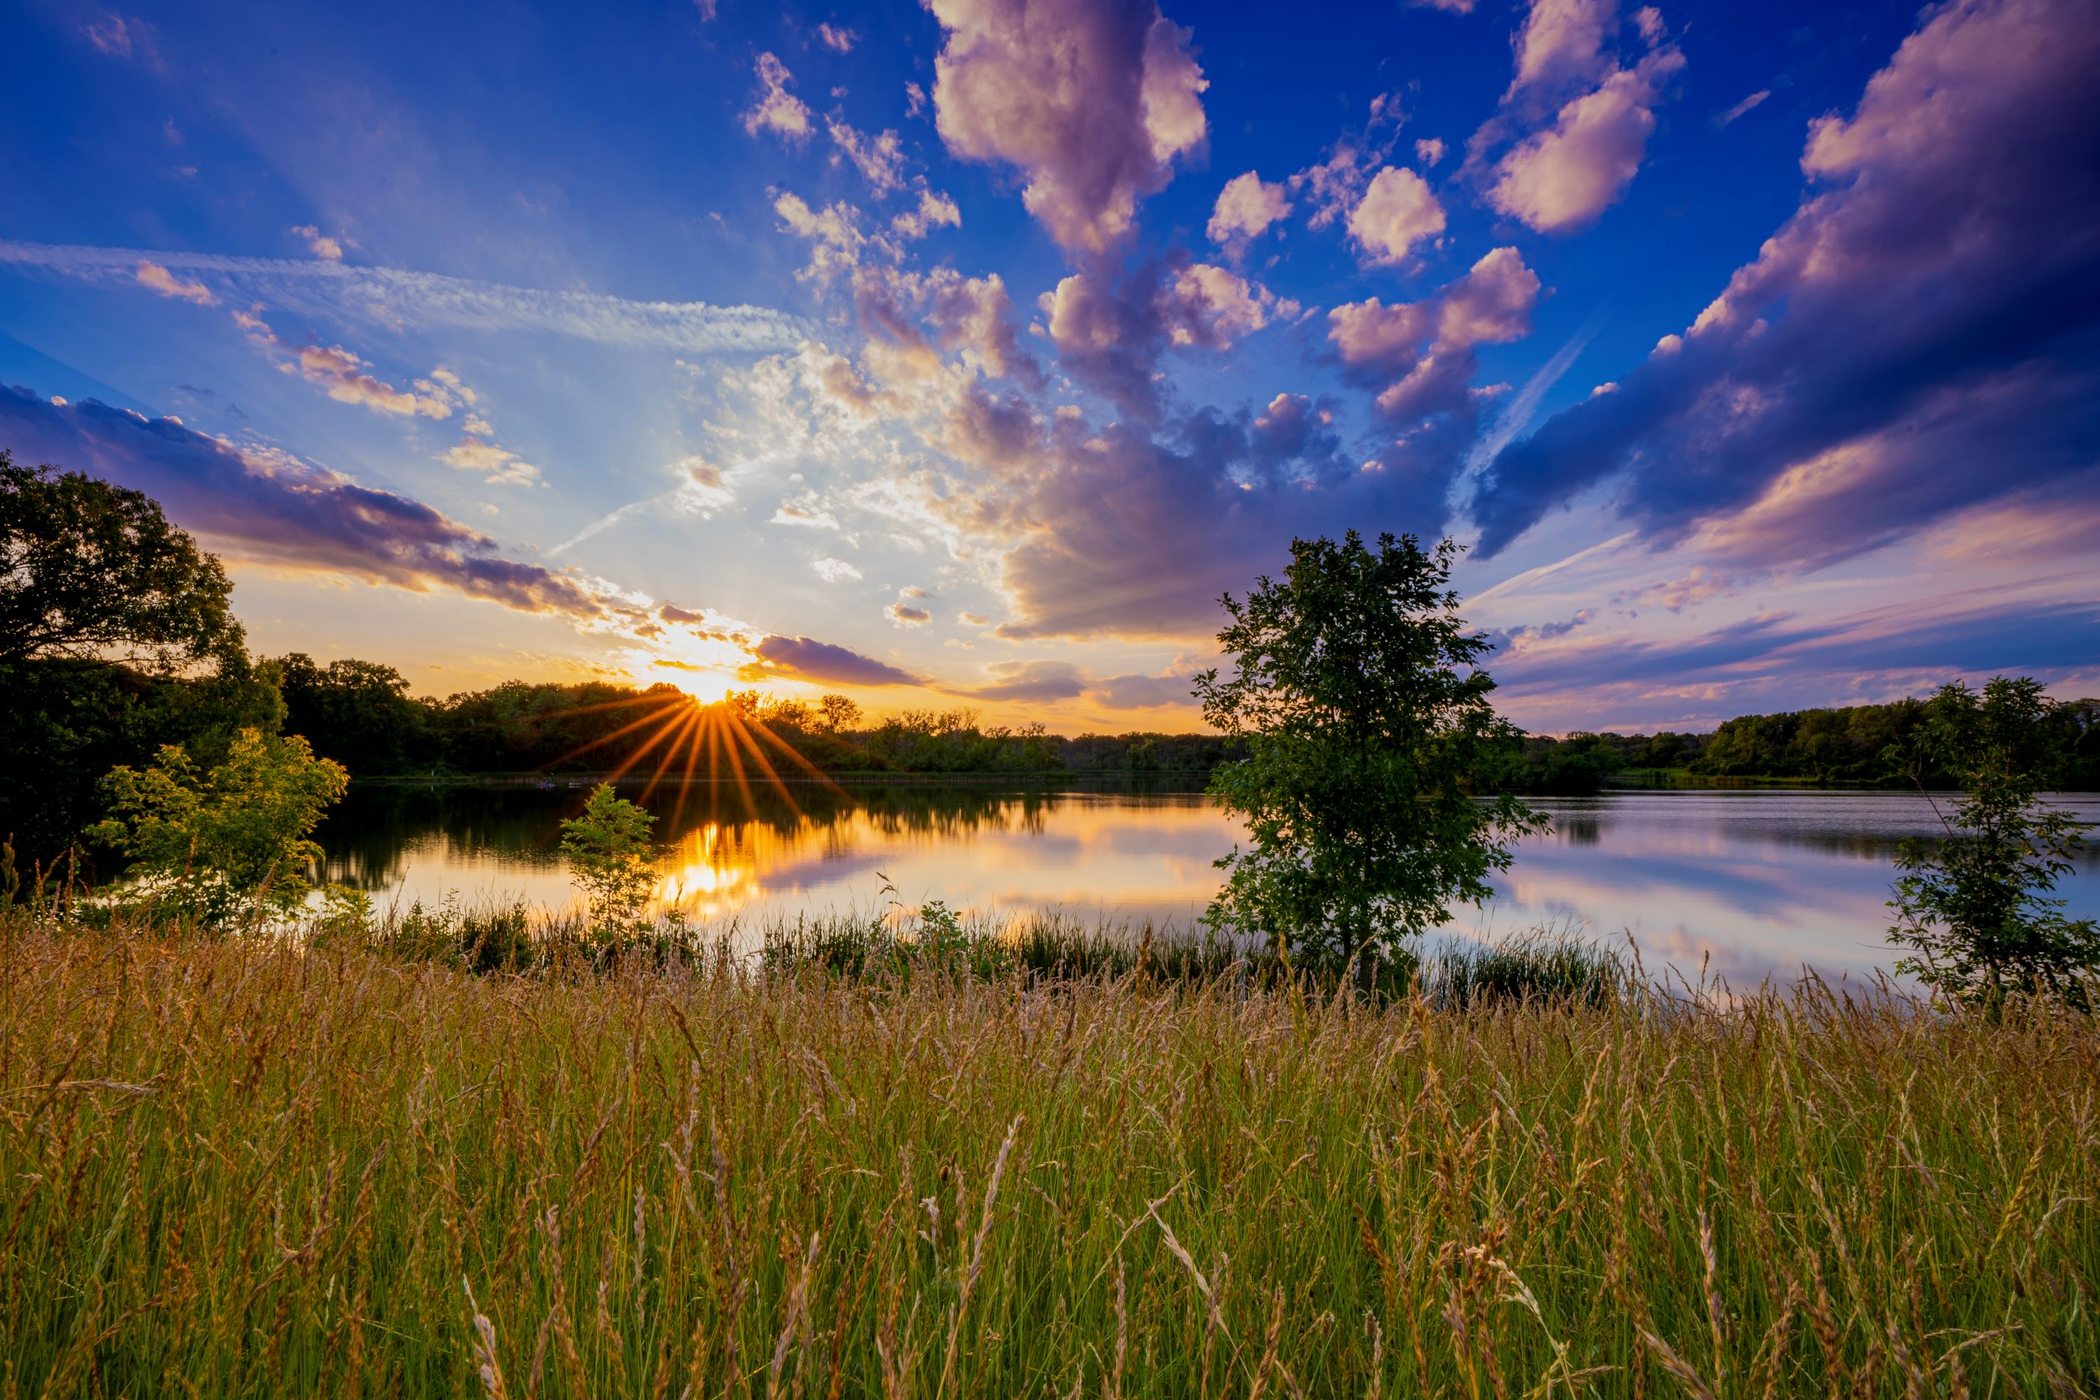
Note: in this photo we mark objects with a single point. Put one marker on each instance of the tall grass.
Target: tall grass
(244, 1167)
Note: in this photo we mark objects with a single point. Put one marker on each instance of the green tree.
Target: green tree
(91, 570)
(356, 712)
(608, 850)
(225, 841)
(1364, 708)
(1977, 907)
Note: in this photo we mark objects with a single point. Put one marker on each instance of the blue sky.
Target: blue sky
(963, 353)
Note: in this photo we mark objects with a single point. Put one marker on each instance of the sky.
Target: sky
(964, 353)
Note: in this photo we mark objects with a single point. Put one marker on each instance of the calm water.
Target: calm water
(1757, 881)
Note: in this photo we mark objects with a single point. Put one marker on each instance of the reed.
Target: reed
(244, 1166)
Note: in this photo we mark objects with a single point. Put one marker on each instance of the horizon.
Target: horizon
(854, 349)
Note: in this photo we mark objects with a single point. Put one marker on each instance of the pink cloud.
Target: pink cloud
(1091, 100)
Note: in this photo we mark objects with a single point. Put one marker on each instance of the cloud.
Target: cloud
(1920, 324)
(343, 374)
(274, 509)
(878, 158)
(1451, 7)
(1110, 329)
(1139, 692)
(1246, 208)
(1039, 682)
(837, 38)
(1421, 353)
(1562, 44)
(1091, 100)
(777, 110)
(1743, 107)
(395, 298)
(157, 278)
(934, 210)
(1561, 179)
(903, 614)
(1397, 212)
(318, 243)
(835, 571)
(805, 659)
(1429, 150)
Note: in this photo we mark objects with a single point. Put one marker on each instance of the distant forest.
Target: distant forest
(67, 723)
(362, 715)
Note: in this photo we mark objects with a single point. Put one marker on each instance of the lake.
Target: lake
(1757, 882)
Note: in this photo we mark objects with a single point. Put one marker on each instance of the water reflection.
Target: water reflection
(1755, 881)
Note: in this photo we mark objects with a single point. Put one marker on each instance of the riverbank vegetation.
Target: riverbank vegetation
(255, 1167)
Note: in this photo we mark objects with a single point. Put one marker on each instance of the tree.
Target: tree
(840, 712)
(356, 712)
(1365, 711)
(1977, 907)
(236, 837)
(95, 571)
(607, 847)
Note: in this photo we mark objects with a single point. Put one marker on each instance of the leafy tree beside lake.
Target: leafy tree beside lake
(230, 842)
(1977, 907)
(1360, 697)
(607, 848)
(116, 637)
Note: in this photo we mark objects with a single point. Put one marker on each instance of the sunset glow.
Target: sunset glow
(962, 354)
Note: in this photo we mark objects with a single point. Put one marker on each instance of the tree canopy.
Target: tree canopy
(1359, 692)
(93, 571)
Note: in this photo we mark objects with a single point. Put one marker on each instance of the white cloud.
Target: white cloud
(1397, 212)
(318, 243)
(777, 110)
(1246, 208)
(156, 277)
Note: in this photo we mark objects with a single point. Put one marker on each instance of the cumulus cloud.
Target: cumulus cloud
(1091, 100)
(1396, 212)
(1429, 150)
(1922, 320)
(1561, 179)
(777, 110)
(806, 659)
(155, 277)
(837, 38)
(1110, 329)
(1420, 355)
(1562, 44)
(1246, 208)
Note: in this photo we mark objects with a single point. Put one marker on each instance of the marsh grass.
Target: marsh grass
(264, 1167)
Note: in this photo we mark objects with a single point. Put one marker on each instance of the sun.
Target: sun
(705, 685)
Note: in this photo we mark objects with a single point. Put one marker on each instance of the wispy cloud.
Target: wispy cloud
(396, 297)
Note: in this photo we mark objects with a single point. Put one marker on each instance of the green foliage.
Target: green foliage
(1365, 712)
(230, 840)
(1977, 907)
(356, 712)
(609, 853)
(94, 571)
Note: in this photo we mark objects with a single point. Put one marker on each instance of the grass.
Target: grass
(258, 1167)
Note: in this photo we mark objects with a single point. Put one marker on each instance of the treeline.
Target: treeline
(361, 714)
(1855, 745)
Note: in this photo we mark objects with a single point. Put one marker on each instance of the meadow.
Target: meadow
(357, 1165)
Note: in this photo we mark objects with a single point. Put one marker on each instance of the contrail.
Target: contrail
(396, 297)
(1516, 416)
